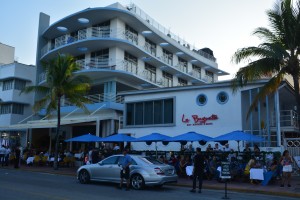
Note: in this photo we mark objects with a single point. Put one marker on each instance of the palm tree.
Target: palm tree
(277, 56)
(61, 81)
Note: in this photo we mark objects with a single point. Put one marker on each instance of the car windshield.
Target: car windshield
(150, 161)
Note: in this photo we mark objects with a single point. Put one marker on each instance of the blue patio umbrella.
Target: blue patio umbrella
(118, 138)
(153, 137)
(238, 136)
(85, 138)
(189, 137)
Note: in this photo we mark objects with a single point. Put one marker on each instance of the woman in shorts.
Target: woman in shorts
(286, 162)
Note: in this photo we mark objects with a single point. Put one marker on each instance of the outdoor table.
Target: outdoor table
(29, 160)
(189, 170)
(52, 159)
(257, 174)
(78, 155)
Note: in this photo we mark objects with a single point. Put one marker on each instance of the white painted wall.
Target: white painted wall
(7, 54)
(229, 115)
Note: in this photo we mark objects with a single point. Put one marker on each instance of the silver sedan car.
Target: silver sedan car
(143, 171)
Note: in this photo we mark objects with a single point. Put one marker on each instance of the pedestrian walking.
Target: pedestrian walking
(7, 154)
(198, 170)
(125, 172)
(2, 155)
(17, 152)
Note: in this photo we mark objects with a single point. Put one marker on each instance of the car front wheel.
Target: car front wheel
(84, 176)
(137, 182)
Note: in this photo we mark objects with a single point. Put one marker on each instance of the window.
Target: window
(100, 58)
(201, 100)
(182, 65)
(167, 57)
(8, 85)
(139, 113)
(150, 72)
(131, 34)
(130, 63)
(5, 108)
(209, 76)
(222, 98)
(149, 109)
(150, 47)
(196, 71)
(12, 108)
(150, 112)
(16, 84)
(130, 113)
(19, 84)
(182, 82)
(110, 161)
(158, 112)
(168, 79)
(168, 111)
(101, 30)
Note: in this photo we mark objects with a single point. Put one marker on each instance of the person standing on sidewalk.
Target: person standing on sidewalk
(198, 170)
(125, 172)
(2, 154)
(286, 162)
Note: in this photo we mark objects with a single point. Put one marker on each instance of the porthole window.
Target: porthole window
(201, 100)
(222, 98)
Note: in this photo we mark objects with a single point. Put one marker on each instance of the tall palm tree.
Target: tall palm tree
(61, 81)
(277, 56)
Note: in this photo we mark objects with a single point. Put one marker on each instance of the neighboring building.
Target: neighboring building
(120, 49)
(7, 54)
(211, 110)
(14, 107)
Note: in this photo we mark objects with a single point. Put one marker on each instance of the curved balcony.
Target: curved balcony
(106, 68)
(90, 36)
(136, 18)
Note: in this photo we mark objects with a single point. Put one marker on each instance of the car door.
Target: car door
(106, 169)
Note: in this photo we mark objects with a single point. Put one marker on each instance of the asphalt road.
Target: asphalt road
(17, 184)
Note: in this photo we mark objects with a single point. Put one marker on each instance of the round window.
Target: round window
(222, 97)
(201, 100)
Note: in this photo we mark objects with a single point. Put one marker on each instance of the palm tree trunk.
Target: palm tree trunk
(297, 94)
(55, 165)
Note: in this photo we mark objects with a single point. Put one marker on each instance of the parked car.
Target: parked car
(144, 171)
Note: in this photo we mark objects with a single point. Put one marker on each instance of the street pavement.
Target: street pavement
(22, 184)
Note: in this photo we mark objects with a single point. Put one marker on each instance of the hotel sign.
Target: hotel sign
(196, 120)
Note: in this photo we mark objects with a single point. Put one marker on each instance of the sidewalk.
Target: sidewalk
(271, 189)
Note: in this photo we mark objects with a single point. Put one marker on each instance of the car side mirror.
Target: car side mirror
(100, 163)
(119, 164)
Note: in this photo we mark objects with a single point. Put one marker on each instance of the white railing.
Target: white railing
(150, 49)
(182, 67)
(288, 118)
(99, 33)
(97, 98)
(195, 74)
(208, 79)
(141, 14)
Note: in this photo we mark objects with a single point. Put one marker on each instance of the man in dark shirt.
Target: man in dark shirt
(198, 170)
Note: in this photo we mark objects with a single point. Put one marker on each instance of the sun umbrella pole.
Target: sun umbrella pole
(156, 149)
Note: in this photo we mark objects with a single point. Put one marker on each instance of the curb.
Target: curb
(234, 189)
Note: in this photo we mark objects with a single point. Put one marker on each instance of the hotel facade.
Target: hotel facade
(121, 48)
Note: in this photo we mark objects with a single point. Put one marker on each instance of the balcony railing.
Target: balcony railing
(208, 79)
(97, 98)
(288, 118)
(141, 14)
(150, 49)
(104, 33)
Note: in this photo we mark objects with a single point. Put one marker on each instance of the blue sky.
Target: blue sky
(222, 25)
